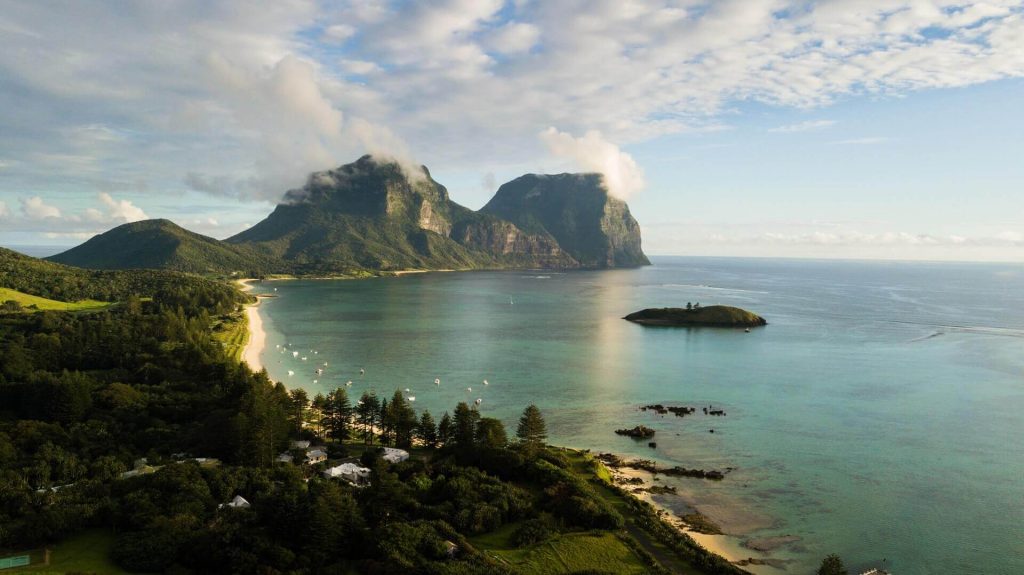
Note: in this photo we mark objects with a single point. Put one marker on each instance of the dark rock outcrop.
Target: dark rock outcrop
(710, 316)
(638, 432)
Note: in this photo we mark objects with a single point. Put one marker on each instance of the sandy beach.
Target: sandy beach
(257, 337)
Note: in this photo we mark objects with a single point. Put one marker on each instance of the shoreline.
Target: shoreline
(725, 545)
(256, 338)
(729, 546)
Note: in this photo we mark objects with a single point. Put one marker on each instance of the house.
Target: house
(285, 457)
(450, 548)
(351, 472)
(300, 445)
(238, 502)
(315, 455)
(392, 455)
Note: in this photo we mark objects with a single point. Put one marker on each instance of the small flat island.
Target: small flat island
(697, 316)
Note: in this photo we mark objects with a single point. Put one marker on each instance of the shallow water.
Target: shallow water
(878, 415)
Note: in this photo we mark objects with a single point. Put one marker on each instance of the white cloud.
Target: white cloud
(806, 126)
(35, 208)
(245, 103)
(121, 210)
(1011, 237)
(3, 210)
(514, 38)
(359, 67)
(338, 33)
(593, 153)
(878, 239)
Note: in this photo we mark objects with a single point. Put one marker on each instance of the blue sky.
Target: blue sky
(849, 128)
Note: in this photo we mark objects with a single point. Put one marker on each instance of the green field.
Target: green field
(85, 553)
(42, 303)
(564, 553)
(232, 331)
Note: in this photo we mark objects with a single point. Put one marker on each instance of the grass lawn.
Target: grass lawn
(590, 469)
(232, 331)
(48, 304)
(86, 552)
(564, 553)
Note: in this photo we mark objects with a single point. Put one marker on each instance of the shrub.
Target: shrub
(531, 532)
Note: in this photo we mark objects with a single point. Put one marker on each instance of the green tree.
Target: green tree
(444, 429)
(490, 434)
(366, 414)
(319, 406)
(300, 401)
(385, 422)
(832, 565)
(339, 414)
(464, 426)
(426, 430)
(532, 431)
(401, 420)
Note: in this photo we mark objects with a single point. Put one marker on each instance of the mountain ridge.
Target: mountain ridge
(160, 244)
(370, 215)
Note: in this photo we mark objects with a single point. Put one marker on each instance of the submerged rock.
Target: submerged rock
(638, 432)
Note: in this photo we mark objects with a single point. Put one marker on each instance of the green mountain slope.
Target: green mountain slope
(41, 278)
(162, 244)
(595, 229)
(370, 214)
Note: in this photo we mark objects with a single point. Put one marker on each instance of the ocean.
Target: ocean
(879, 415)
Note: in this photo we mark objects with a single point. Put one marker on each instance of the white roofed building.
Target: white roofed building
(238, 502)
(351, 472)
(316, 455)
(392, 455)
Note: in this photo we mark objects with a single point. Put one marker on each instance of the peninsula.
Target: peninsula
(697, 316)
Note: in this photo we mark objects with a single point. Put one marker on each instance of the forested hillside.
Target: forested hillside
(162, 244)
(65, 283)
(131, 427)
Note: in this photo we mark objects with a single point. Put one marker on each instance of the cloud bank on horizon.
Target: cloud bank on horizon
(231, 101)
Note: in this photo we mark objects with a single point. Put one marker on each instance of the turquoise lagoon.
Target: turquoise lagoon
(879, 415)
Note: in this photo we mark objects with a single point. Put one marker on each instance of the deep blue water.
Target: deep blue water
(879, 414)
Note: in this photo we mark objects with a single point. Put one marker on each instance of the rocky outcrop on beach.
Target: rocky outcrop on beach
(616, 462)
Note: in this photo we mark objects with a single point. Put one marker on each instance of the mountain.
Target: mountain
(162, 244)
(372, 215)
(594, 228)
(376, 215)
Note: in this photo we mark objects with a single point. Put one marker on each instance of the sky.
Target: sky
(888, 129)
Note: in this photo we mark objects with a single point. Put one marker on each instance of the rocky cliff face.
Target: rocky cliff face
(505, 240)
(372, 214)
(590, 226)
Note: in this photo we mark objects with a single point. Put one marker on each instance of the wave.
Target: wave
(712, 288)
(978, 330)
(929, 336)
